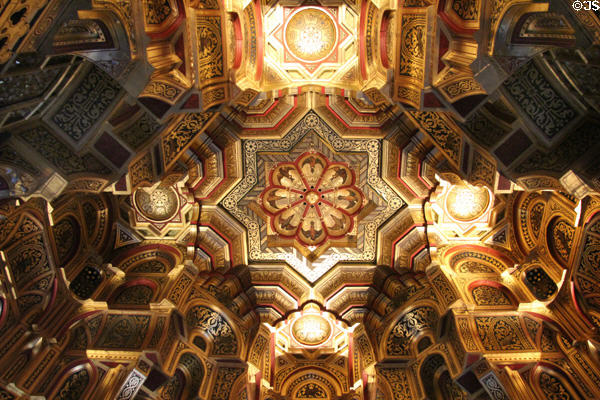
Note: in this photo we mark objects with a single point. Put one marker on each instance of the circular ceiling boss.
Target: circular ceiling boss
(310, 34)
(159, 204)
(311, 330)
(467, 203)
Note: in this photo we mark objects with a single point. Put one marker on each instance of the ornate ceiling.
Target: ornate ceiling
(284, 199)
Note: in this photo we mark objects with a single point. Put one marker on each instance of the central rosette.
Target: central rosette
(312, 199)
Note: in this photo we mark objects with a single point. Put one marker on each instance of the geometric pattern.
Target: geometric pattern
(312, 134)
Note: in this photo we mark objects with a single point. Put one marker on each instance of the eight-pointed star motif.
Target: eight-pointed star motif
(312, 199)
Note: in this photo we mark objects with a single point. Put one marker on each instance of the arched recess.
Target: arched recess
(86, 282)
(173, 389)
(486, 294)
(100, 36)
(16, 180)
(559, 236)
(436, 380)
(97, 220)
(77, 381)
(528, 215)
(522, 30)
(134, 293)
(473, 259)
(549, 382)
(585, 274)
(217, 329)
(30, 263)
(539, 282)
(311, 382)
(401, 337)
(151, 260)
(148, 268)
(67, 238)
(187, 379)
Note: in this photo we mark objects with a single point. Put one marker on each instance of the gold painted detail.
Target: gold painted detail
(311, 330)
(159, 204)
(311, 34)
(312, 199)
(467, 203)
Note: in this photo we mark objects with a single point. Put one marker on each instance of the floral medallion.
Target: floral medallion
(312, 199)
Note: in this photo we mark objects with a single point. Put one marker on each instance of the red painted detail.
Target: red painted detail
(239, 41)
(543, 317)
(504, 289)
(173, 27)
(363, 128)
(70, 368)
(351, 356)
(482, 249)
(192, 102)
(444, 45)
(141, 282)
(354, 108)
(431, 100)
(66, 326)
(208, 253)
(420, 176)
(362, 41)
(451, 24)
(398, 176)
(225, 238)
(280, 121)
(587, 221)
(203, 170)
(4, 305)
(121, 184)
(53, 296)
(260, 44)
(272, 356)
(402, 235)
(152, 357)
(125, 112)
(516, 367)
(416, 253)
(167, 249)
(385, 25)
(577, 307)
(180, 51)
(218, 185)
(472, 358)
(503, 183)
(257, 380)
(271, 107)
(308, 187)
(343, 286)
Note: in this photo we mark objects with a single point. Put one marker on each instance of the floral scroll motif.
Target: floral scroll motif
(87, 104)
(419, 319)
(311, 391)
(74, 386)
(539, 100)
(214, 324)
(553, 388)
(210, 48)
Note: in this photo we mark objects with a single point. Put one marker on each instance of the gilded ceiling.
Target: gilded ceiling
(286, 199)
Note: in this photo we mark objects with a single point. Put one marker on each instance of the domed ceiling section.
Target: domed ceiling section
(312, 198)
(295, 43)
